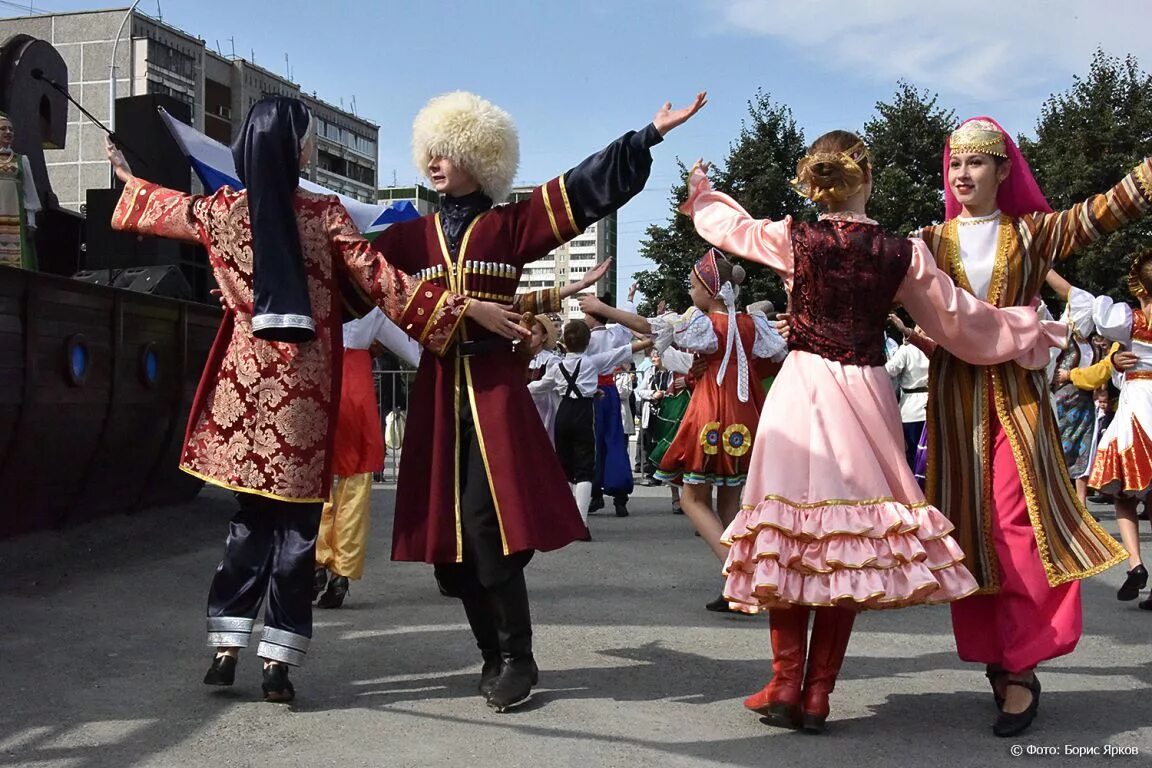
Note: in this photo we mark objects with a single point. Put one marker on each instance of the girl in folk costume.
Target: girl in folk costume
(995, 465)
(463, 503)
(574, 379)
(358, 451)
(261, 422)
(833, 521)
(19, 203)
(1123, 466)
(1075, 407)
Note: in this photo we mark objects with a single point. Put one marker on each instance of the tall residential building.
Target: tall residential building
(154, 57)
(573, 259)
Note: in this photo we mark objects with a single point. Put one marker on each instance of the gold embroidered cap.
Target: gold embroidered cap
(978, 136)
(1135, 286)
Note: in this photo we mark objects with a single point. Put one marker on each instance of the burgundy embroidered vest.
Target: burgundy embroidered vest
(846, 276)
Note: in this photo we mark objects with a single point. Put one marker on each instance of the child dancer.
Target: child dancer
(833, 521)
(574, 379)
(1123, 466)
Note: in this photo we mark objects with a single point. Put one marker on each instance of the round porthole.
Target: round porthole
(77, 359)
(149, 365)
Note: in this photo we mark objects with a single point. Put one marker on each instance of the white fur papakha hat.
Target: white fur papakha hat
(472, 132)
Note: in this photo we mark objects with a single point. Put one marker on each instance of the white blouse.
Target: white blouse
(978, 236)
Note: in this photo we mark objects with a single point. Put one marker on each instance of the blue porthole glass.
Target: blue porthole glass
(77, 359)
(149, 365)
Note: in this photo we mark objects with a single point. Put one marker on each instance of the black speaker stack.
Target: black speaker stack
(126, 260)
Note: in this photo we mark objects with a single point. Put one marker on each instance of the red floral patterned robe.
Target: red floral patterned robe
(264, 413)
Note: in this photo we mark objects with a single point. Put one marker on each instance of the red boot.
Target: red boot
(831, 630)
(779, 701)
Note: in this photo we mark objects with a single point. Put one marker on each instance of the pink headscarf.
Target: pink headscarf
(1019, 194)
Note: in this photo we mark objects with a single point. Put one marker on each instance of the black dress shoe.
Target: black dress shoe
(1014, 724)
(222, 671)
(719, 605)
(319, 582)
(621, 508)
(333, 597)
(490, 673)
(1145, 604)
(1136, 580)
(514, 686)
(277, 687)
(996, 676)
(596, 504)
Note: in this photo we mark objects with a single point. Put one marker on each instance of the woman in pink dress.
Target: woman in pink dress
(833, 520)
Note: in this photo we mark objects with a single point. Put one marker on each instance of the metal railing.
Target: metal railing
(392, 389)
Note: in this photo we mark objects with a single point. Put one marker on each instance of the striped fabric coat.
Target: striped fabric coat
(962, 398)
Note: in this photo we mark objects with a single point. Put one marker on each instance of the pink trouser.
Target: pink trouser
(1027, 621)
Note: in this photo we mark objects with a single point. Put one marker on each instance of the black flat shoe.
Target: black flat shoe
(621, 509)
(490, 673)
(719, 605)
(333, 597)
(596, 504)
(1014, 724)
(222, 671)
(513, 687)
(319, 582)
(1135, 581)
(277, 687)
(1145, 604)
(996, 675)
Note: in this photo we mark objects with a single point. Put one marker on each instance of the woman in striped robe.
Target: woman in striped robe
(995, 464)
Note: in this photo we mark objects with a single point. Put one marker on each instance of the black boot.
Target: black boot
(483, 625)
(621, 505)
(222, 671)
(519, 673)
(333, 597)
(319, 582)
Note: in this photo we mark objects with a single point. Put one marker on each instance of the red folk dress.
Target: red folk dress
(263, 414)
(714, 441)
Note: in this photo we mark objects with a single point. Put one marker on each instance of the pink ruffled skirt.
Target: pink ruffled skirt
(832, 514)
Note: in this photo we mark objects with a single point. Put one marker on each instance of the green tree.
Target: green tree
(906, 138)
(1087, 139)
(756, 171)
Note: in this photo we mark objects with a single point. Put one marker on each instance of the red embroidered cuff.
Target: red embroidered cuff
(432, 316)
(132, 204)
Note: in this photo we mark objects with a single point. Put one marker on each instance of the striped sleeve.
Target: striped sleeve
(1056, 235)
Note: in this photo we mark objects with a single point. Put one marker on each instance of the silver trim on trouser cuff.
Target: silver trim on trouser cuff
(229, 631)
(281, 645)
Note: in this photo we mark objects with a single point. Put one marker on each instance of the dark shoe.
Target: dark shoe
(1100, 498)
(651, 482)
(1136, 580)
(222, 671)
(1145, 605)
(1008, 724)
(513, 687)
(997, 676)
(333, 597)
(719, 605)
(490, 673)
(277, 687)
(621, 508)
(676, 508)
(319, 582)
(596, 504)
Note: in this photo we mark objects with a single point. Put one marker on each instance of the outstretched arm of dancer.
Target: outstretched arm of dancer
(724, 223)
(969, 328)
(1061, 233)
(563, 207)
(592, 305)
(552, 299)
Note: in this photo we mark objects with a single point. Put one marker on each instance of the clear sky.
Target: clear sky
(575, 74)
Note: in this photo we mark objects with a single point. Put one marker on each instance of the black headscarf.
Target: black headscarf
(267, 158)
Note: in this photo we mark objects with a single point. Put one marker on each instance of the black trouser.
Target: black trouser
(488, 582)
(575, 434)
(271, 548)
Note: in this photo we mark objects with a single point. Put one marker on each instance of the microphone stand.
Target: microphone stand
(37, 75)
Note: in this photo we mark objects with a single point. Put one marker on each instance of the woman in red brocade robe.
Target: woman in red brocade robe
(480, 487)
(261, 422)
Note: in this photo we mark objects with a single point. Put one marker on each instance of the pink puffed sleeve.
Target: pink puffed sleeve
(971, 329)
(723, 222)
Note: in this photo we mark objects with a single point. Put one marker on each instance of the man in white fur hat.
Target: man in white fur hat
(480, 488)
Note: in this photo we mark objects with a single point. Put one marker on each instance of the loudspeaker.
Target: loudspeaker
(151, 150)
(165, 280)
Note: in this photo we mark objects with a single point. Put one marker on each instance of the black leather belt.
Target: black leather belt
(916, 390)
(483, 347)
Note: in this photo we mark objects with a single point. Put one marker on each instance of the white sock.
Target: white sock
(583, 494)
